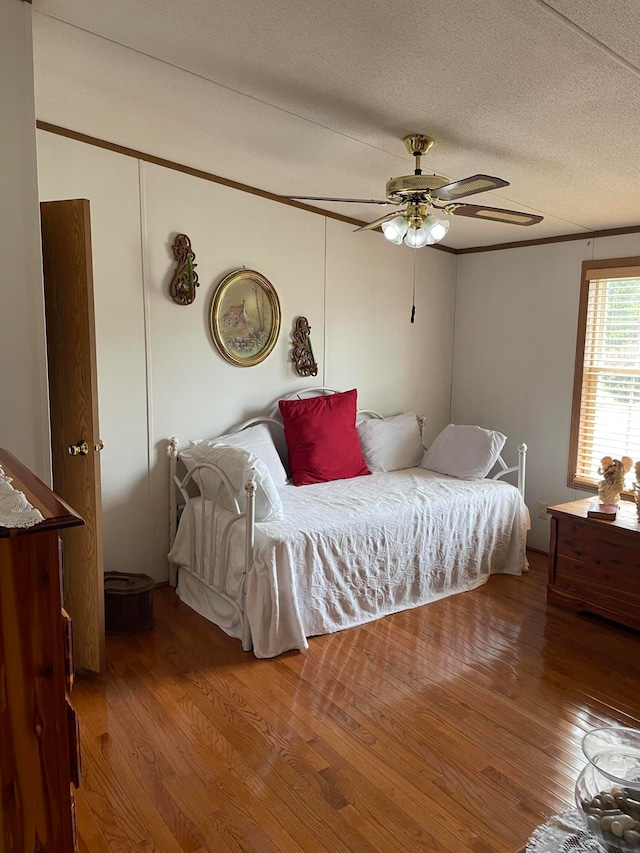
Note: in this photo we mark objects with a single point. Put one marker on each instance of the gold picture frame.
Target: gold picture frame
(245, 317)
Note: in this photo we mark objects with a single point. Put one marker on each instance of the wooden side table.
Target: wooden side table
(594, 565)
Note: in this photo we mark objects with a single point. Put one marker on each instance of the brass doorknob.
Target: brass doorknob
(79, 449)
(98, 445)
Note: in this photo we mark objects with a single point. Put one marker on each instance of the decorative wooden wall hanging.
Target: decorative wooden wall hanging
(185, 279)
(302, 355)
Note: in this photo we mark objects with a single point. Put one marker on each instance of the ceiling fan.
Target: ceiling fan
(415, 225)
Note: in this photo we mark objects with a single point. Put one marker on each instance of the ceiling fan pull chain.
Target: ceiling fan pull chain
(413, 307)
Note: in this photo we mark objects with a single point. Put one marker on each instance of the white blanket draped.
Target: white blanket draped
(350, 551)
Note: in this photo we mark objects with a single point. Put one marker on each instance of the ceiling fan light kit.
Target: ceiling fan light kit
(437, 228)
(415, 225)
(416, 238)
(395, 229)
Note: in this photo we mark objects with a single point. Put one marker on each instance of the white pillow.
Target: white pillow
(257, 440)
(466, 452)
(392, 443)
(236, 463)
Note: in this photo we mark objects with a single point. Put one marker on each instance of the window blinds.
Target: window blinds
(609, 421)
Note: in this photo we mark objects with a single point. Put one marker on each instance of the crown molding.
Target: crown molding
(564, 238)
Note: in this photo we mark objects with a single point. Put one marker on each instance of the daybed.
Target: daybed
(343, 552)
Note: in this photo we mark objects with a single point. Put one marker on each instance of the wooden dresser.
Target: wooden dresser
(594, 565)
(39, 736)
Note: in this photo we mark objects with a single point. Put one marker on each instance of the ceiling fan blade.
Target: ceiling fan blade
(468, 186)
(348, 200)
(377, 222)
(495, 214)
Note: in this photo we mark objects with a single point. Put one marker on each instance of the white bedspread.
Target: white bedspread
(351, 551)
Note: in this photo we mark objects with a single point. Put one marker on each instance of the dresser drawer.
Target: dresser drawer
(600, 545)
(614, 582)
(597, 585)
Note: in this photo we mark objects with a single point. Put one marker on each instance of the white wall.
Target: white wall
(514, 354)
(24, 416)
(159, 372)
(370, 341)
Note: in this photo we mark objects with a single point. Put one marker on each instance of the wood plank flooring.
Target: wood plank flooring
(452, 727)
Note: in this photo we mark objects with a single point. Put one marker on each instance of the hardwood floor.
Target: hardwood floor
(451, 727)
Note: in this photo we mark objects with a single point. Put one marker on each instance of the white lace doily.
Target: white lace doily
(563, 833)
(15, 509)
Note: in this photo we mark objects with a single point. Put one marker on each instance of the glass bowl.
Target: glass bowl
(608, 789)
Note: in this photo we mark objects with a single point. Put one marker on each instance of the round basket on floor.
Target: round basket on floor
(128, 603)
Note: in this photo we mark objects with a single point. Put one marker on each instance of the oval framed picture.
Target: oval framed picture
(245, 317)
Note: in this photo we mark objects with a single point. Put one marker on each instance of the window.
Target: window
(606, 394)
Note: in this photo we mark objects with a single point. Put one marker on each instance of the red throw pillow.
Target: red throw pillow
(322, 438)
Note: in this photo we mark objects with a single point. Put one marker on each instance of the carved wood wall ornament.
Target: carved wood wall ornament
(185, 279)
(302, 355)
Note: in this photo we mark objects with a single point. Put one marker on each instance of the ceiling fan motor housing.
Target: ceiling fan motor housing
(407, 186)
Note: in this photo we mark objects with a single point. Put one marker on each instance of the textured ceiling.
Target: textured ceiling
(294, 96)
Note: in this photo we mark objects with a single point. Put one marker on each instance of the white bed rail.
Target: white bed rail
(214, 572)
(520, 468)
